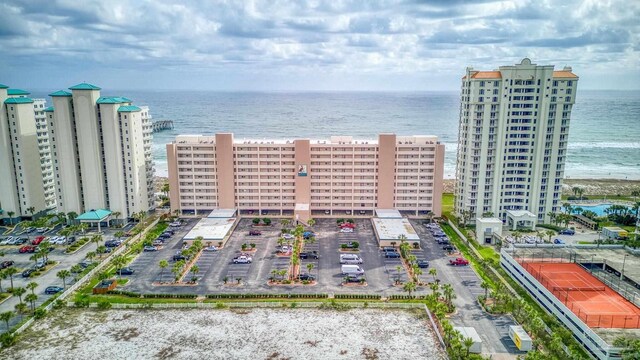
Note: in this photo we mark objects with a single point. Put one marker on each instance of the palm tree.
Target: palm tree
(6, 317)
(83, 227)
(567, 208)
(311, 222)
(21, 309)
(163, 265)
(32, 286)
(91, 255)
(3, 276)
(119, 234)
(96, 239)
(177, 269)
(310, 267)
(63, 274)
(119, 262)
(18, 292)
(116, 214)
(409, 287)
(31, 298)
(550, 234)
(433, 272)
(195, 270)
(11, 213)
(31, 210)
(485, 286)
(468, 343)
(449, 294)
(516, 235)
(101, 250)
(10, 272)
(575, 190)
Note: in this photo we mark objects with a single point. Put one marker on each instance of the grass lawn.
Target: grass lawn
(122, 282)
(447, 204)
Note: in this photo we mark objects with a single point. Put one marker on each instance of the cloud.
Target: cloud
(293, 41)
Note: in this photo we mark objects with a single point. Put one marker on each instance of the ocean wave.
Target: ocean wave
(603, 145)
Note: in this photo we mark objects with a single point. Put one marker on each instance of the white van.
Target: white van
(352, 270)
(350, 259)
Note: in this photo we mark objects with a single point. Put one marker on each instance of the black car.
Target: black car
(448, 248)
(126, 271)
(112, 243)
(53, 290)
(353, 279)
(389, 249)
(423, 264)
(27, 273)
(392, 254)
(306, 255)
(178, 257)
(6, 264)
(306, 277)
(442, 241)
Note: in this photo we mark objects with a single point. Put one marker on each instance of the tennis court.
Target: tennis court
(591, 300)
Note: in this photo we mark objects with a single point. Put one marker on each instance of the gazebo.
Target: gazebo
(94, 216)
(524, 217)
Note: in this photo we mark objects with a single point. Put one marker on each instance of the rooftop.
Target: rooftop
(94, 215)
(17, 92)
(211, 229)
(112, 100)
(19, 100)
(84, 86)
(3, 86)
(49, 109)
(564, 74)
(60, 93)
(222, 213)
(392, 229)
(129, 108)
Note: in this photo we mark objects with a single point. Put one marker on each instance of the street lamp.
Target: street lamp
(623, 262)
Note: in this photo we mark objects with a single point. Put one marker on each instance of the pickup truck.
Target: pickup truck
(242, 259)
(459, 262)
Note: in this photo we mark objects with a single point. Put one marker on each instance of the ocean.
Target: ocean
(604, 135)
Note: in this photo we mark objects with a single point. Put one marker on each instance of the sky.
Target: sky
(307, 45)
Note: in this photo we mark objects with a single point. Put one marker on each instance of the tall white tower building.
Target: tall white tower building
(101, 152)
(512, 140)
(21, 189)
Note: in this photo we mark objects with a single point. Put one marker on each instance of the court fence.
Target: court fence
(567, 295)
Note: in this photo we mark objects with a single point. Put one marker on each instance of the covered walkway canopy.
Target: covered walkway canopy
(95, 216)
(521, 218)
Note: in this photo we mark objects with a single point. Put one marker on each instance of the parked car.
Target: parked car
(41, 230)
(242, 259)
(423, 264)
(558, 241)
(353, 279)
(85, 263)
(255, 232)
(306, 255)
(150, 248)
(112, 243)
(6, 264)
(442, 241)
(52, 290)
(178, 257)
(351, 245)
(6, 240)
(27, 273)
(308, 234)
(567, 232)
(288, 236)
(346, 230)
(157, 242)
(306, 277)
(389, 249)
(392, 254)
(448, 248)
(210, 248)
(20, 241)
(285, 249)
(459, 262)
(27, 249)
(40, 264)
(126, 271)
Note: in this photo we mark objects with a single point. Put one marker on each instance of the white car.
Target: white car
(288, 236)
(42, 229)
(284, 249)
(210, 248)
(242, 259)
(346, 230)
(6, 241)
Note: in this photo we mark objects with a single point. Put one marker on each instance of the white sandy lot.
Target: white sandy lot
(270, 334)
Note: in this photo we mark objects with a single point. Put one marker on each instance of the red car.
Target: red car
(27, 249)
(37, 240)
(459, 262)
(347, 225)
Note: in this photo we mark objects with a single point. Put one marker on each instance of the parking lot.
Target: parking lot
(22, 262)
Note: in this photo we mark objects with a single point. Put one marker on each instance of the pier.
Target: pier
(162, 125)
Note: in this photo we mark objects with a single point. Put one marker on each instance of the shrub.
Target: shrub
(350, 221)
(104, 305)
(7, 339)
(340, 221)
(416, 245)
(256, 221)
(39, 313)
(266, 221)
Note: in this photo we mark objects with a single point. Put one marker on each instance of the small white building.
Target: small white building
(471, 333)
(486, 228)
(520, 338)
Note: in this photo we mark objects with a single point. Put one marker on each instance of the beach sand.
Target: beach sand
(274, 334)
(590, 186)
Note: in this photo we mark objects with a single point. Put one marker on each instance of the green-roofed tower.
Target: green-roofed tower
(84, 86)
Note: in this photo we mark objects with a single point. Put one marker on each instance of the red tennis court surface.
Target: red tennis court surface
(591, 300)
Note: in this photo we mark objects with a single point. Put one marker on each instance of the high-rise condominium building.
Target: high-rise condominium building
(338, 176)
(101, 148)
(21, 184)
(512, 140)
(39, 107)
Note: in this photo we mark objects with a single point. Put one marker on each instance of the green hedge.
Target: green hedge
(124, 293)
(267, 296)
(170, 296)
(358, 296)
(550, 227)
(407, 297)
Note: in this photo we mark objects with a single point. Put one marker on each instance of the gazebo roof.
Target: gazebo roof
(94, 215)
